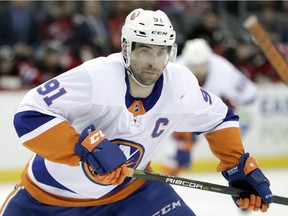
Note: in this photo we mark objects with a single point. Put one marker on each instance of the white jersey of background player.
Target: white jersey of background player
(216, 74)
(136, 99)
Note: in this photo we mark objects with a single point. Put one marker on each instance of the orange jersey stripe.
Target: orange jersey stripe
(227, 146)
(56, 144)
(56, 200)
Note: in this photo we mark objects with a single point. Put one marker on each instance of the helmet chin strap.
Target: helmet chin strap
(130, 73)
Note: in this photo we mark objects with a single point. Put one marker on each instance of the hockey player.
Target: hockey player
(217, 75)
(91, 126)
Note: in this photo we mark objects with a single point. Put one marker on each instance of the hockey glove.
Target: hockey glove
(247, 175)
(116, 176)
(98, 152)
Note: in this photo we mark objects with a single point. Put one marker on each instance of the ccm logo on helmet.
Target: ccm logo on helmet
(159, 33)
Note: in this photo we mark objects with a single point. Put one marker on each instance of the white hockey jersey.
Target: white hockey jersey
(226, 81)
(51, 116)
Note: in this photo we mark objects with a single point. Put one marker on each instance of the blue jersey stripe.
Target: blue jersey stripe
(42, 175)
(27, 121)
(230, 116)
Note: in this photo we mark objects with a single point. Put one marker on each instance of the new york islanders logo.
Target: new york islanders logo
(136, 108)
(133, 151)
(134, 15)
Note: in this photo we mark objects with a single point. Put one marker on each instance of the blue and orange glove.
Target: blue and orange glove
(104, 158)
(247, 175)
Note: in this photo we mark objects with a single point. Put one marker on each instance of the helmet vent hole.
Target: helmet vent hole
(140, 33)
(152, 39)
(142, 24)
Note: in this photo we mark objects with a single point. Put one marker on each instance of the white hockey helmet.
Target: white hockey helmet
(196, 52)
(147, 27)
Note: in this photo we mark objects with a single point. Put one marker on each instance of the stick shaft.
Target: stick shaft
(270, 51)
(200, 185)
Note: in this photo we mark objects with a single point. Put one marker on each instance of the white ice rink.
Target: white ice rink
(213, 204)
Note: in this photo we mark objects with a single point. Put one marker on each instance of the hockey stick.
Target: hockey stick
(190, 183)
(272, 54)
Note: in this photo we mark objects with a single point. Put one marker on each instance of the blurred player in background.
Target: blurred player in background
(216, 75)
(135, 99)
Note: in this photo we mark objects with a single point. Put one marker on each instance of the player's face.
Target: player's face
(147, 62)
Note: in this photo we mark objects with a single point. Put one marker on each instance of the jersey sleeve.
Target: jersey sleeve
(44, 117)
(226, 145)
(224, 139)
(208, 114)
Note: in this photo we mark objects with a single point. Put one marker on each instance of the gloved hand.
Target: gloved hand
(99, 153)
(116, 176)
(247, 175)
